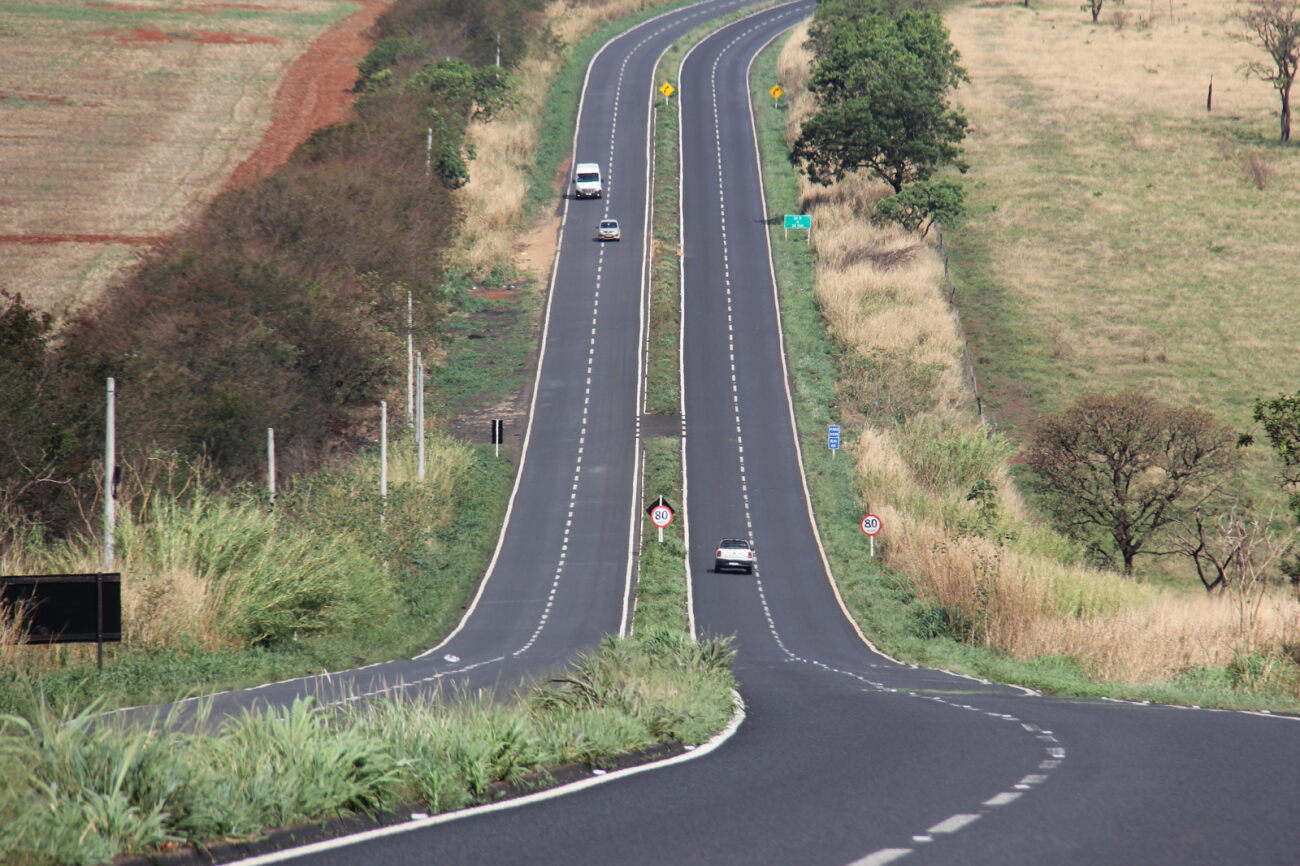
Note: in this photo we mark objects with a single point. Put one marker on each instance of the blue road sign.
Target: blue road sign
(833, 437)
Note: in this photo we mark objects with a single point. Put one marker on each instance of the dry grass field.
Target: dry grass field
(1121, 235)
(1101, 278)
(121, 119)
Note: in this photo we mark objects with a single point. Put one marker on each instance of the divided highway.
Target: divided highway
(561, 577)
(847, 757)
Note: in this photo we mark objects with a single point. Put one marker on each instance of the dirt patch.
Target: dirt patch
(206, 37)
(45, 99)
(316, 92)
(535, 249)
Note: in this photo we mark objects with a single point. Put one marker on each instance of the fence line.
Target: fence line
(968, 360)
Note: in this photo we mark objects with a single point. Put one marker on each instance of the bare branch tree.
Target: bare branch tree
(1127, 465)
(1274, 25)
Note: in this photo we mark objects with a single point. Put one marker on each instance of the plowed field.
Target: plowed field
(119, 121)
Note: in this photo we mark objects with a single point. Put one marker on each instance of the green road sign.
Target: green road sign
(798, 221)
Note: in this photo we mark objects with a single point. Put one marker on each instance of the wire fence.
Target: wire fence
(967, 359)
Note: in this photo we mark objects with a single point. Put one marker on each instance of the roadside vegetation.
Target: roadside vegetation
(969, 576)
(78, 791)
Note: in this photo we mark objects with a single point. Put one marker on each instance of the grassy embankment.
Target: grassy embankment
(970, 584)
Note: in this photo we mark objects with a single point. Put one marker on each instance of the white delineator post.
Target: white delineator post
(383, 458)
(270, 463)
(410, 361)
(419, 416)
(110, 469)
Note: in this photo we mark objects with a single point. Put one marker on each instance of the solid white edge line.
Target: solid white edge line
(737, 716)
(681, 361)
(794, 424)
(681, 319)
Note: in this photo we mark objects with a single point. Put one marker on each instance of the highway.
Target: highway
(562, 574)
(845, 756)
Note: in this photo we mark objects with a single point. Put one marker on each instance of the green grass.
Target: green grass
(399, 588)
(884, 602)
(663, 381)
(80, 792)
(661, 580)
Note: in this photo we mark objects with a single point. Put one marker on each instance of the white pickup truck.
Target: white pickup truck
(586, 180)
(735, 553)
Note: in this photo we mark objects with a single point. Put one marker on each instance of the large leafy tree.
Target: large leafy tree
(882, 84)
(1127, 465)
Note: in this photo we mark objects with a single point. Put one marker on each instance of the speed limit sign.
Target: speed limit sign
(661, 516)
(870, 524)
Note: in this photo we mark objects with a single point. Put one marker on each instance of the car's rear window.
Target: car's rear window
(733, 542)
(588, 175)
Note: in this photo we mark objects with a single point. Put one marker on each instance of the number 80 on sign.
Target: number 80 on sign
(870, 524)
(661, 516)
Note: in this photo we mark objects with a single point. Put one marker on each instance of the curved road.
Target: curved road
(847, 757)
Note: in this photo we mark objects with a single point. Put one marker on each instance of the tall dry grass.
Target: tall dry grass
(202, 571)
(995, 578)
(493, 201)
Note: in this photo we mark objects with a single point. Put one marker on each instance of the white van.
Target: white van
(586, 180)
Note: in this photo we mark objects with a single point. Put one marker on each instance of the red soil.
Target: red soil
(315, 92)
(207, 37)
(47, 100)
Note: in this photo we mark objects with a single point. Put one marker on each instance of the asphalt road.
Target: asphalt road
(846, 757)
(561, 577)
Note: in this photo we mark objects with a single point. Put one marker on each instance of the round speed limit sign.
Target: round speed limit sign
(870, 524)
(661, 516)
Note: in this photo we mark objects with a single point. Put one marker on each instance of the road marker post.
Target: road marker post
(870, 525)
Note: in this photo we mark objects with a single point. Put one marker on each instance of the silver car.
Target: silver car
(609, 231)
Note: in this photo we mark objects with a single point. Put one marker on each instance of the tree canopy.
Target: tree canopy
(882, 84)
(1127, 465)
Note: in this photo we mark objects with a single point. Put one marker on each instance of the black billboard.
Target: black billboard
(65, 608)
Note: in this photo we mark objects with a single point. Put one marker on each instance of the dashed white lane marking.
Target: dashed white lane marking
(953, 824)
(1004, 798)
(956, 822)
(883, 856)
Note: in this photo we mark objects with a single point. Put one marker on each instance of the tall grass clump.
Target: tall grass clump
(963, 558)
(80, 790)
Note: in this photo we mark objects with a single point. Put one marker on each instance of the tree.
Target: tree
(924, 203)
(1281, 419)
(882, 86)
(1127, 465)
(1093, 6)
(1274, 25)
